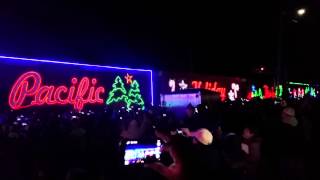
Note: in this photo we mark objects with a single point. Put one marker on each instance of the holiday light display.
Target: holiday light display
(30, 83)
(266, 92)
(233, 93)
(172, 85)
(313, 92)
(118, 93)
(269, 92)
(134, 96)
(300, 92)
(29, 86)
(128, 78)
(297, 83)
(183, 85)
(254, 93)
(219, 84)
(212, 86)
(279, 91)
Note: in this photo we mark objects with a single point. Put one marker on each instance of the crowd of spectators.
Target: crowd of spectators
(260, 139)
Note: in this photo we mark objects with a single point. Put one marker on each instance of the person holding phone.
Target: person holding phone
(180, 150)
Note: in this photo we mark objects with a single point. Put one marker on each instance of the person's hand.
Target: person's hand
(245, 148)
(164, 148)
(186, 132)
(162, 136)
(160, 168)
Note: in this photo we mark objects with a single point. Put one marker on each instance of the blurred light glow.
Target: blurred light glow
(183, 85)
(297, 83)
(172, 85)
(301, 11)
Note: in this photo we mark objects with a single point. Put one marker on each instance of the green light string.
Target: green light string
(257, 93)
(134, 96)
(313, 92)
(279, 91)
(117, 86)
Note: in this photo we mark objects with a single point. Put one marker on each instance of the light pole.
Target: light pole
(281, 69)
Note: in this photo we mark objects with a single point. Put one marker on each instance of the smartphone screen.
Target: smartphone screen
(139, 153)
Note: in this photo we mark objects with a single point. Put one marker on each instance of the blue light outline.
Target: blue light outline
(88, 65)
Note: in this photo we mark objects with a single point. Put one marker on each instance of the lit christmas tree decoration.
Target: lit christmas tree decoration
(118, 93)
(134, 96)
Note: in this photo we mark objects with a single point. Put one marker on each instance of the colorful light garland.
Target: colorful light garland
(266, 92)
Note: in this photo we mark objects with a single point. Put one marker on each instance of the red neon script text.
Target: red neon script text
(28, 91)
(210, 86)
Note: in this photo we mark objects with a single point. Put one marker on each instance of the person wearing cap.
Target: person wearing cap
(202, 136)
(209, 156)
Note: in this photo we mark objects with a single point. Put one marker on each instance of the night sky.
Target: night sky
(220, 37)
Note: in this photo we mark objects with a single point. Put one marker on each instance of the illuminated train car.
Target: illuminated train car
(31, 84)
(193, 97)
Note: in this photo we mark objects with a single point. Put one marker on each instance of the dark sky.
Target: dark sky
(221, 37)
